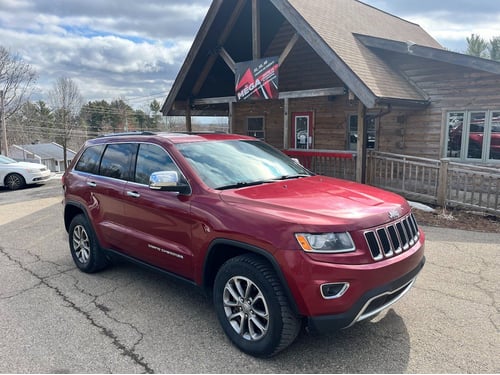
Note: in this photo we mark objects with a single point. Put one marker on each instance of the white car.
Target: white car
(14, 174)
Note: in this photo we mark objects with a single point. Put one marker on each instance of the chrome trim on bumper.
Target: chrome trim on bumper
(345, 286)
(362, 315)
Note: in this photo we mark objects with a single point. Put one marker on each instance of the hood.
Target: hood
(24, 164)
(321, 201)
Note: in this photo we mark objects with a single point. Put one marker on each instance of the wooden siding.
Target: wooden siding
(409, 131)
(449, 87)
(329, 120)
(303, 69)
(330, 116)
(271, 110)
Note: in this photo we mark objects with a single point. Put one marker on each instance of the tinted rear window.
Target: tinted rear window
(89, 161)
(116, 161)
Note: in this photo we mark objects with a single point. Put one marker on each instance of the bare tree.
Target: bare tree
(17, 80)
(66, 102)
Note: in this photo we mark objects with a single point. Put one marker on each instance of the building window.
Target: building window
(353, 132)
(473, 135)
(255, 127)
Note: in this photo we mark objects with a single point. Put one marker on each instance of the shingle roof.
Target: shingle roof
(48, 151)
(337, 22)
(332, 28)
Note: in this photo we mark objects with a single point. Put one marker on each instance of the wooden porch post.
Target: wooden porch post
(286, 125)
(443, 183)
(361, 144)
(189, 127)
(231, 117)
(256, 29)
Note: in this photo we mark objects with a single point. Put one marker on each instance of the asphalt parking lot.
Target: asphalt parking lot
(55, 319)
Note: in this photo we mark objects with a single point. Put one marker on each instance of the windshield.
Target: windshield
(232, 164)
(6, 160)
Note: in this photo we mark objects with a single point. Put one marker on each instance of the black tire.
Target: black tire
(84, 248)
(252, 307)
(14, 181)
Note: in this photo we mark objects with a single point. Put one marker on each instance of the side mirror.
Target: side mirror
(168, 181)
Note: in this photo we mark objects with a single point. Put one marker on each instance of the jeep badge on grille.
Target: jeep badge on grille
(394, 214)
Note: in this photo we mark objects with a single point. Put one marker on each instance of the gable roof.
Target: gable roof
(338, 31)
(330, 26)
(435, 54)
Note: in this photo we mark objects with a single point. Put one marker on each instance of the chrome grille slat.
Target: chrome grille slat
(393, 238)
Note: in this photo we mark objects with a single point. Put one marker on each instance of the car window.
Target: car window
(6, 160)
(226, 163)
(89, 161)
(116, 160)
(151, 158)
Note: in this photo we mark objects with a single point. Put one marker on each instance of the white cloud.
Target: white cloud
(110, 48)
(127, 48)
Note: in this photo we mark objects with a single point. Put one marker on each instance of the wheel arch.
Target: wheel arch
(72, 209)
(221, 250)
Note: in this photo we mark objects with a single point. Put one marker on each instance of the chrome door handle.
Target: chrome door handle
(91, 184)
(133, 194)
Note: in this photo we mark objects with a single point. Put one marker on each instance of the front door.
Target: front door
(158, 222)
(302, 130)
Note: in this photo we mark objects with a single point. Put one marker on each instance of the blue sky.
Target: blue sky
(133, 50)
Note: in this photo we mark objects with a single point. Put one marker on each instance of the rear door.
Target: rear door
(106, 194)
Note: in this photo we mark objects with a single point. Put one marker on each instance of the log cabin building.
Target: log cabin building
(338, 75)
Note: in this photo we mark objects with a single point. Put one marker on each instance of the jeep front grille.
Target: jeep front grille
(393, 238)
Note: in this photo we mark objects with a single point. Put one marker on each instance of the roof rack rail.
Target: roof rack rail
(128, 133)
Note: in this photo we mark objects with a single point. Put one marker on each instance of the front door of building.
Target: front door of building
(302, 130)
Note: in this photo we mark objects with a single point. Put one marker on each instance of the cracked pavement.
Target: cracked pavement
(56, 319)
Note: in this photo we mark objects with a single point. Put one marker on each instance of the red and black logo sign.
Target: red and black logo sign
(257, 79)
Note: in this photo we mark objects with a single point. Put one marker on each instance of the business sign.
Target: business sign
(257, 79)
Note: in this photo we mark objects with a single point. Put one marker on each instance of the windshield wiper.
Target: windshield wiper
(291, 177)
(242, 184)
(238, 185)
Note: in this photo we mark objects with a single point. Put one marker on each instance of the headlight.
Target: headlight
(32, 170)
(326, 242)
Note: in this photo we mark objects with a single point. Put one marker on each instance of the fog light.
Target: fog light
(333, 290)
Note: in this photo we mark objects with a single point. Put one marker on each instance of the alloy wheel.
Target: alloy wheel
(81, 244)
(246, 308)
(14, 181)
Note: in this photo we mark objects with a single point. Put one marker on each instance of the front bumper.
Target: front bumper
(370, 304)
(39, 178)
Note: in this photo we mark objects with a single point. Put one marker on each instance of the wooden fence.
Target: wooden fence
(441, 182)
(340, 164)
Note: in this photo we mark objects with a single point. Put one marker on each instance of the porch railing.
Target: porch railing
(440, 182)
(472, 186)
(340, 164)
(413, 177)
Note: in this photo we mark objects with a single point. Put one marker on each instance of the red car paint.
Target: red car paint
(180, 233)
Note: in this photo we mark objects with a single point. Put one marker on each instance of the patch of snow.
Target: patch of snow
(421, 207)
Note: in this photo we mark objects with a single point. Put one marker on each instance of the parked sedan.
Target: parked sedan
(14, 174)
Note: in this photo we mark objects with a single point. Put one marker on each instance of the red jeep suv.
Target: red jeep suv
(274, 245)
